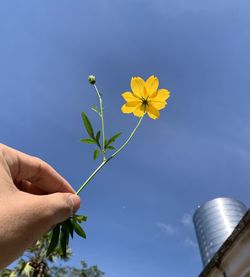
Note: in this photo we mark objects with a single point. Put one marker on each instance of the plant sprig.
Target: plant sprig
(94, 139)
(61, 232)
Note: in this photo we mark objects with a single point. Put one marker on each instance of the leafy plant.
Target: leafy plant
(145, 98)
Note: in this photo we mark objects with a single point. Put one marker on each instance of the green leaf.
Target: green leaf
(79, 218)
(64, 239)
(112, 139)
(63, 245)
(105, 143)
(70, 227)
(88, 125)
(54, 239)
(78, 229)
(95, 109)
(97, 138)
(110, 147)
(96, 152)
(27, 270)
(89, 141)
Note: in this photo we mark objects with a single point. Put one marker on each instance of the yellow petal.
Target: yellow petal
(151, 85)
(162, 95)
(145, 93)
(152, 112)
(139, 111)
(137, 86)
(159, 105)
(129, 107)
(129, 97)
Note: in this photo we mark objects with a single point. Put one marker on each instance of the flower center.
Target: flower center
(144, 102)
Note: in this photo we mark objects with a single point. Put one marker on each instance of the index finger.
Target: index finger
(36, 171)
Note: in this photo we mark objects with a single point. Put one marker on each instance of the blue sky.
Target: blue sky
(140, 205)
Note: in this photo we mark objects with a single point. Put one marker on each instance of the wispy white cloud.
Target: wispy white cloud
(186, 219)
(190, 242)
(168, 229)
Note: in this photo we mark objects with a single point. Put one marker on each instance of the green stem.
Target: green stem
(112, 156)
(91, 176)
(127, 141)
(102, 120)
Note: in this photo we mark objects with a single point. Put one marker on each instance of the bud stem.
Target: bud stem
(102, 120)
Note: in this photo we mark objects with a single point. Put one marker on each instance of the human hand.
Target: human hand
(33, 197)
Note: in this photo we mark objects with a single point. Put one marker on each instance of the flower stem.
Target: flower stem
(91, 176)
(102, 120)
(112, 156)
(127, 141)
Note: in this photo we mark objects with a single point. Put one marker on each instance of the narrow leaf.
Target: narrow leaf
(97, 138)
(89, 141)
(79, 218)
(87, 125)
(64, 240)
(105, 144)
(110, 147)
(70, 227)
(54, 239)
(112, 139)
(96, 152)
(78, 229)
(95, 109)
(63, 245)
(67, 238)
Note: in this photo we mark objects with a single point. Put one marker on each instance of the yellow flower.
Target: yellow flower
(145, 97)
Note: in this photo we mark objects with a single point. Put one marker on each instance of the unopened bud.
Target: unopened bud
(91, 79)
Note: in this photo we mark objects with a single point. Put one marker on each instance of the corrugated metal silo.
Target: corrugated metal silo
(214, 221)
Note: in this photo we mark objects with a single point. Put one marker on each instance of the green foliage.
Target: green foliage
(64, 238)
(87, 140)
(78, 229)
(54, 239)
(83, 271)
(96, 152)
(59, 236)
(112, 139)
(34, 262)
(79, 218)
(95, 109)
(88, 125)
(95, 139)
(110, 147)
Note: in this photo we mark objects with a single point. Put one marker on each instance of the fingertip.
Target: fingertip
(62, 205)
(76, 202)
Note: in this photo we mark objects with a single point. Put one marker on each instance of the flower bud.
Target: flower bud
(91, 79)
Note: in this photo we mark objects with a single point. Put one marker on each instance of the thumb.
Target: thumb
(60, 206)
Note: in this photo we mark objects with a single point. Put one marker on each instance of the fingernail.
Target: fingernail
(76, 201)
